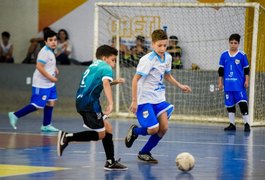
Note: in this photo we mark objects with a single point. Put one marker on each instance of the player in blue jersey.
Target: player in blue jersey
(44, 92)
(98, 77)
(148, 96)
(233, 78)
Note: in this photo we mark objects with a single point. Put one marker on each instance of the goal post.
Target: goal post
(203, 30)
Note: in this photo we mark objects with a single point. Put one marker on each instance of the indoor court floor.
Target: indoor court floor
(27, 153)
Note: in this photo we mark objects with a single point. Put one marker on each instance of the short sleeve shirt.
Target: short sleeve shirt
(234, 76)
(46, 56)
(91, 86)
(152, 68)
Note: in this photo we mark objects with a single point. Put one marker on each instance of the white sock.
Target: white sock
(231, 117)
(246, 119)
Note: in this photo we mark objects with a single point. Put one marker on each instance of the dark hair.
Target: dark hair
(235, 37)
(140, 38)
(65, 32)
(106, 50)
(6, 34)
(159, 34)
(49, 34)
(174, 38)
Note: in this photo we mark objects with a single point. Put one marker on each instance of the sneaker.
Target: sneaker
(147, 157)
(130, 138)
(115, 166)
(247, 128)
(12, 119)
(231, 127)
(49, 128)
(62, 142)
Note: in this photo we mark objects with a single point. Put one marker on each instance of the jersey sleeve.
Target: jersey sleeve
(145, 65)
(222, 61)
(169, 63)
(107, 73)
(245, 63)
(43, 57)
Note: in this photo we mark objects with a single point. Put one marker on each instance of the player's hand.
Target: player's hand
(53, 79)
(246, 84)
(120, 80)
(185, 88)
(133, 107)
(220, 86)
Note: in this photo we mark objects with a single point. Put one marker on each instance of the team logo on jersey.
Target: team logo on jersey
(226, 96)
(237, 61)
(44, 97)
(145, 114)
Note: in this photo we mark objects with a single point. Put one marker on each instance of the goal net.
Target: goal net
(203, 30)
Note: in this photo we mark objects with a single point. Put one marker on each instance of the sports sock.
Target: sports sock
(246, 119)
(140, 131)
(151, 143)
(83, 136)
(25, 110)
(47, 115)
(231, 117)
(108, 147)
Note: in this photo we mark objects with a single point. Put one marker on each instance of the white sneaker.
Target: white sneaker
(49, 128)
(12, 119)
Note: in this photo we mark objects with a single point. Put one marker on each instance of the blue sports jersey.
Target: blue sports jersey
(234, 76)
(91, 86)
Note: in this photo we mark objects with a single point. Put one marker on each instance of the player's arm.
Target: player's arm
(173, 81)
(220, 78)
(135, 80)
(246, 73)
(41, 69)
(108, 94)
(117, 81)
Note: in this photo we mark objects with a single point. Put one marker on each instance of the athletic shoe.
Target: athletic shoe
(115, 166)
(49, 128)
(147, 157)
(12, 119)
(130, 138)
(247, 128)
(231, 127)
(62, 142)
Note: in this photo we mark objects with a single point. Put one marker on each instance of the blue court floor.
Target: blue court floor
(28, 154)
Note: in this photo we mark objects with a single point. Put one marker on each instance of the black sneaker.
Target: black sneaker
(147, 157)
(231, 127)
(115, 166)
(247, 128)
(62, 142)
(130, 138)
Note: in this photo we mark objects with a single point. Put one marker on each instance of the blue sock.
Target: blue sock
(151, 143)
(25, 110)
(140, 131)
(47, 117)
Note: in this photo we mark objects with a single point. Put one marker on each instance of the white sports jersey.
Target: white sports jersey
(47, 57)
(152, 69)
(5, 48)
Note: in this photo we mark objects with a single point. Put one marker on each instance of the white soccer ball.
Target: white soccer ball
(185, 161)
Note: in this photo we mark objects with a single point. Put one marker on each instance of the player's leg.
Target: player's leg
(35, 104)
(231, 109)
(96, 132)
(163, 111)
(241, 98)
(148, 121)
(107, 141)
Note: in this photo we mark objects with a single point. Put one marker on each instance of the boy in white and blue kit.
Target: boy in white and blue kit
(148, 96)
(44, 92)
(233, 78)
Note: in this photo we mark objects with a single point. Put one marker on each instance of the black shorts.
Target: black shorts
(93, 121)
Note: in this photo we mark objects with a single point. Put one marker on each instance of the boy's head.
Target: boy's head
(5, 37)
(108, 54)
(50, 38)
(173, 40)
(234, 41)
(159, 41)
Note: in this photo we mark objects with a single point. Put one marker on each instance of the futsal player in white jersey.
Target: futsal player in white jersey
(148, 96)
(233, 78)
(44, 92)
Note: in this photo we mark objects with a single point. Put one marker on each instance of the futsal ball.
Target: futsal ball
(185, 161)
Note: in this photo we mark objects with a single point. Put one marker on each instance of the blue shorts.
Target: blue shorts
(40, 96)
(234, 97)
(147, 114)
